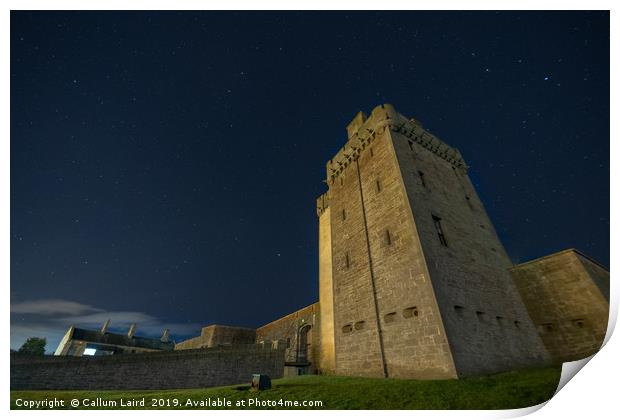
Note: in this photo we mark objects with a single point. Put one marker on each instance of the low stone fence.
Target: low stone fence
(201, 368)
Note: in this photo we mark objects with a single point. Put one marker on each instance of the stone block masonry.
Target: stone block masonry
(567, 297)
(299, 332)
(158, 370)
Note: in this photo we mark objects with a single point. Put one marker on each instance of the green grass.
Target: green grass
(508, 390)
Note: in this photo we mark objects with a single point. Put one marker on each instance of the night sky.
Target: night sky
(165, 166)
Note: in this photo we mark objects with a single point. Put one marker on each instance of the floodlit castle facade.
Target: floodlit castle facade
(414, 280)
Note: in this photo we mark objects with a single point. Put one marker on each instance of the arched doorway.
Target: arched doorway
(304, 344)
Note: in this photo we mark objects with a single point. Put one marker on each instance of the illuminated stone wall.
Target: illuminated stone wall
(567, 297)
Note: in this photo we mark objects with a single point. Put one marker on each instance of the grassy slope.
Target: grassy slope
(507, 390)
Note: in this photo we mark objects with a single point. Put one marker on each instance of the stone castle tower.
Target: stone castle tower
(413, 279)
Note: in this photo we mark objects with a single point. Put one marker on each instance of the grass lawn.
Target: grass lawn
(508, 390)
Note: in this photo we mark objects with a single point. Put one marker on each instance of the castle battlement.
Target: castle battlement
(322, 203)
(362, 130)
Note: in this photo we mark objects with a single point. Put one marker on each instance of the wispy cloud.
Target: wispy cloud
(51, 307)
(50, 318)
(116, 318)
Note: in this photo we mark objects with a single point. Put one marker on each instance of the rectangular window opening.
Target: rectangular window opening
(391, 317)
(347, 261)
(344, 214)
(410, 312)
(378, 186)
(388, 237)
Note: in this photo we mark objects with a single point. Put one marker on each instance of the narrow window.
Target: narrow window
(391, 317)
(517, 324)
(378, 186)
(480, 315)
(347, 329)
(344, 214)
(288, 343)
(460, 311)
(347, 261)
(359, 325)
(388, 237)
(442, 237)
(421, 174)
(410, 312)
(341, 181)
(372, 153)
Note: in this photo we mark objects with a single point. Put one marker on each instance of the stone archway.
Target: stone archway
(304, 344)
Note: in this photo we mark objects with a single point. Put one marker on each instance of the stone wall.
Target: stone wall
(300, 334)
(487, 325)
(159, 370)
(567, 296)
(219, 335)
(327, 353)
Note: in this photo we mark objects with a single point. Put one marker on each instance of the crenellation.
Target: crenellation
(362, 131)
(322, 203)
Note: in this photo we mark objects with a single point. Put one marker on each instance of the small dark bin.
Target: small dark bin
(260, 382)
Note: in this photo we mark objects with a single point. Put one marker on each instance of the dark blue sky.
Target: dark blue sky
(164, 166)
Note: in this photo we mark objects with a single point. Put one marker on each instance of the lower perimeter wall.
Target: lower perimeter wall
(158, 370)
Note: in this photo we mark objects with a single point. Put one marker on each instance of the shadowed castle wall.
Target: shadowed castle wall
(567, 296)
(487, 324)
